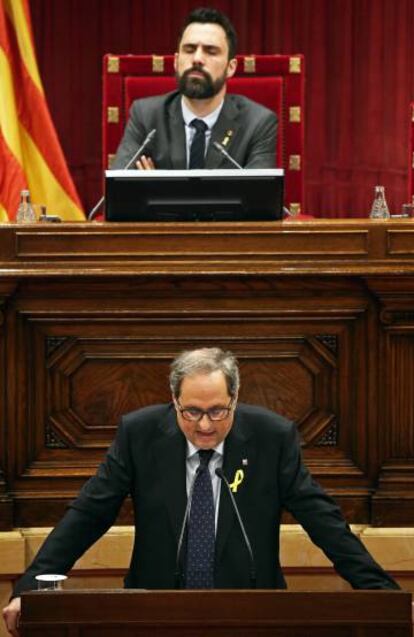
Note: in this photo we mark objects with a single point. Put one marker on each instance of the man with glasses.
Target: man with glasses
(188, 465)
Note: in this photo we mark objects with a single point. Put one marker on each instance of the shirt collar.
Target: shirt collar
(209, 120)
(192, 450)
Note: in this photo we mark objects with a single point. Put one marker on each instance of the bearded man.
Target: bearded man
(200, 112)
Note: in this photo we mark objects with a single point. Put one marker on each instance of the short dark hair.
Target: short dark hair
(213, 16)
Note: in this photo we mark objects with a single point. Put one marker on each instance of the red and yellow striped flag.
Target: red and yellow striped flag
(30, 152)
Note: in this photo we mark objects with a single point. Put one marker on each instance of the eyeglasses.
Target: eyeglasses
(214, 413)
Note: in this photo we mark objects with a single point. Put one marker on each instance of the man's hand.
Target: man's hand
(145, 163)
(11, 616)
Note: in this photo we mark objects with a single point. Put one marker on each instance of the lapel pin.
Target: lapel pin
(238, 479)
(227, 137)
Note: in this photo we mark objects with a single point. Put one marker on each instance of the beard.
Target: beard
(199, 88)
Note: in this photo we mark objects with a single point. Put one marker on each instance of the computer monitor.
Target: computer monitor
(194, 195)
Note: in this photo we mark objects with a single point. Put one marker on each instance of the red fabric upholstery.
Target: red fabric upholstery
(277, 81)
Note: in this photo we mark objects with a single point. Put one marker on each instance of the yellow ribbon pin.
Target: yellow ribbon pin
(227, 138)
(238, 479)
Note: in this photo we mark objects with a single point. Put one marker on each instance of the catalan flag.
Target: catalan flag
(30, 153)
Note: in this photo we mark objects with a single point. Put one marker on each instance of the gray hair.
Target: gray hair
(205, 360)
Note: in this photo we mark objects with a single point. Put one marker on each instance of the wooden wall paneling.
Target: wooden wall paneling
(85, 357)
(394, 498)
(320, 316)
(6, 502)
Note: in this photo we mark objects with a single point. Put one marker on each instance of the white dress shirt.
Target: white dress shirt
(209, 121)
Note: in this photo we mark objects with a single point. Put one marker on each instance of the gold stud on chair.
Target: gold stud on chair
(294, 64)
(158, 64)
(113, 115)
(112, 64)
(249, 64)
(294, 162)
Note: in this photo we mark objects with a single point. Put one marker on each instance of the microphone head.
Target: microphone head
(151, 134)
(225, 154)
(219, 473)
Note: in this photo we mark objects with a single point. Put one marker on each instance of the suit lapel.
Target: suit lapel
(176, 132)
(224, 132)
(239, 455)
(170, 456)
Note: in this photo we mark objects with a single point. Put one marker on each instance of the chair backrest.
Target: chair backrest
(276, 81)
(411, 156)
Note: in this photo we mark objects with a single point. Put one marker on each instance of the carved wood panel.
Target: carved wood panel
(83, 358)
(320, 315)
(394, 500)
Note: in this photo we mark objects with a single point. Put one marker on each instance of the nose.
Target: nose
(198, 56)
(204, 422)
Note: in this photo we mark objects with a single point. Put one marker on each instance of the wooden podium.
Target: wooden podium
(223, 613)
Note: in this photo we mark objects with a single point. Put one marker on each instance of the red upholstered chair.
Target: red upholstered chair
(276, 81)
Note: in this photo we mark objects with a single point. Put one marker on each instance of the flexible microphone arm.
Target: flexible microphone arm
(178, 573)
(224, 152)
(220, 474)
(144, 144)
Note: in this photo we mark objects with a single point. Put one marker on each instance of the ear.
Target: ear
(175, 61)
(231, 67)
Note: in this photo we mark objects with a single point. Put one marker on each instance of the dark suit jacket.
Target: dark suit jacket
(249, 127)
(147, 460)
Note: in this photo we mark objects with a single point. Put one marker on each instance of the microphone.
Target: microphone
(221, 475)
(178, 573)
(144, 144)
(224, 152)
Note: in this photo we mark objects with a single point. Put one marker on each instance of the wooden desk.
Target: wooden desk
(218, 613)
(319, 313)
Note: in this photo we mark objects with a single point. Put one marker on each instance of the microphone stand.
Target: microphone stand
(224, 152)
(145, 143)
(178, 573)
(220, 474)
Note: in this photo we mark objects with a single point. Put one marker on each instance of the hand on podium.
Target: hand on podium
(11, 616)
(145, 163)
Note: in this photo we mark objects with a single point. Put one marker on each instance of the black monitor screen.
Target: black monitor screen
(194, 195)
